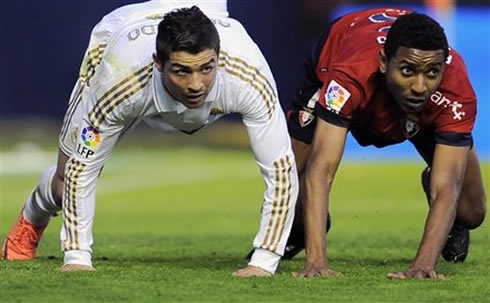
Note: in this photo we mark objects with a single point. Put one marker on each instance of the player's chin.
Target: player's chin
(411, 107)
(195, 102)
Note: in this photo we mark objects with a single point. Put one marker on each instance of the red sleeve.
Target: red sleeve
(341, 95)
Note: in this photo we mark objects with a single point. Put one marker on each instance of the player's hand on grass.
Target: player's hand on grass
(415, 273)
(76, 267)
(251, 271)
(316, 271)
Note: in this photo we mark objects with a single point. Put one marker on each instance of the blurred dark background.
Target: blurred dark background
(43, 42)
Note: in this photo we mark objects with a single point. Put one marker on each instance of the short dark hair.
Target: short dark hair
(417, 31)
(185, 29)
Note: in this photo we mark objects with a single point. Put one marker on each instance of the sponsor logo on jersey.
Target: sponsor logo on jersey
(90, 137)
(90, 140)
(439, 99)
(305, 118)
(336, 96)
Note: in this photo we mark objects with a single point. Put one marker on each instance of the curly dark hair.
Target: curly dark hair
(185, 29)
(417, 31)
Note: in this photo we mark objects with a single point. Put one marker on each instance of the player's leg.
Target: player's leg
(471, 204)
(472, 200)
(470, 212)
(43, 203)
(46, 198)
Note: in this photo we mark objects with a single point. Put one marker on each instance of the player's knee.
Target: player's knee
(474, 216)
(480, 212)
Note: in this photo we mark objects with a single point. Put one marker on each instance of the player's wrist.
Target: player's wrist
(79, 257)
(265, 260)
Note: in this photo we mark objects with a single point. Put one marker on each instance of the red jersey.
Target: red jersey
(354, 89)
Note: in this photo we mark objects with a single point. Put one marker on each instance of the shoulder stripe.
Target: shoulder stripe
(118, 94)
(90, 62)
(250, 74)
(250, 67)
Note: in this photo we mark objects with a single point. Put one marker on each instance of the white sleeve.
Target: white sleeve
(271, 144)
(105, 117)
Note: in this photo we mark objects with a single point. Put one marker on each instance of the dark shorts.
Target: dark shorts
(301, 113)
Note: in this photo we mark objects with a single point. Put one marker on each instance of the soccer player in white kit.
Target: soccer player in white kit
(171, 69)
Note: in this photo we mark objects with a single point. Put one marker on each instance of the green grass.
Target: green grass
(173, 224)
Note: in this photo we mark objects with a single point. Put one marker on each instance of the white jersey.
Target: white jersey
(118, 87)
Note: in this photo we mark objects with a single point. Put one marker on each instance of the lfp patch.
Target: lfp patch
(90, 137)
(336, 96)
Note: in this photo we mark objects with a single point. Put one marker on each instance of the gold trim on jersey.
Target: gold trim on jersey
(120, 92)
(90, 62)
(87, 69)
(285, 207)
(281, 204)
(250, 74)
(74, 170)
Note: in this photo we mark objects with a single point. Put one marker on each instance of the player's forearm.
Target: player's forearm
(78, 211)
(439, 221)
(316, 205)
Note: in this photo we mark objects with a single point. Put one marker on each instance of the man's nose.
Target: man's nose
(195, 82)
(418, 86)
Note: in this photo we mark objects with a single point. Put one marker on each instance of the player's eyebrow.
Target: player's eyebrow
(179, 65)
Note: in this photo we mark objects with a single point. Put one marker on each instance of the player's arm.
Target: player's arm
(103, 119)
(447, 174)
(92, 148)
(272, 149)
(257, 102)
(326, 153)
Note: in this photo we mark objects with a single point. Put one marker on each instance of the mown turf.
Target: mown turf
(172, 225)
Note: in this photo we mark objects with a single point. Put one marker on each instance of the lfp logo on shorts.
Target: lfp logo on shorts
(90, 139)
(336, 96)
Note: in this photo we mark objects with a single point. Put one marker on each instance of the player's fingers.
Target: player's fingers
(421, 275)
(396, 276)
(331, 273)
(433, 274)
(312, 274)
(436, 276)
(298, 274)
(236, 273)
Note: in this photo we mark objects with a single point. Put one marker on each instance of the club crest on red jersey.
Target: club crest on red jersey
(410, 128)
(305, 118)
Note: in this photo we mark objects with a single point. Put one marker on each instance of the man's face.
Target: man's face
(189, 77)
(412, 75)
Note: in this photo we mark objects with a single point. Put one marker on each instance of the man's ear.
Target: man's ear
(158, 63)
(383, 62)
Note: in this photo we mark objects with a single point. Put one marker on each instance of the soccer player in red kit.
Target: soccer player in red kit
(388, 75)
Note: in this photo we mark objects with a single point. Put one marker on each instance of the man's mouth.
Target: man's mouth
(415, 104)
(195, 98)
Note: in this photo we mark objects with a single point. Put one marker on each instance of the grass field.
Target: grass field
(173, 224)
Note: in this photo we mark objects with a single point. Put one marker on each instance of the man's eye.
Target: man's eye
(207, 69)
(180, 72)
(433, 73)
(406, 71)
